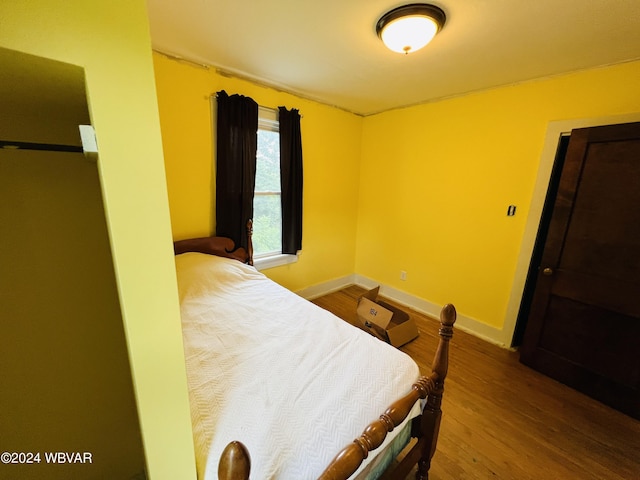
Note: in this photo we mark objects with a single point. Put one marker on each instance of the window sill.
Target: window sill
(274, 261)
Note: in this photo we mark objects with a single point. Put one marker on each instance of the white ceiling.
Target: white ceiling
(328, 50)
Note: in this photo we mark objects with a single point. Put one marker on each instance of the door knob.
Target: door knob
(547, 271)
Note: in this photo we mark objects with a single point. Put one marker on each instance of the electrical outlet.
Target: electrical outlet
(403, 275)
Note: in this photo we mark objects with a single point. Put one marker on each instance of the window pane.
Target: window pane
(267, 215)
(267, 224)
(268, 162)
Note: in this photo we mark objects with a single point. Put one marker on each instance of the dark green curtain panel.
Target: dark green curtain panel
(237, 142)
(291, 180)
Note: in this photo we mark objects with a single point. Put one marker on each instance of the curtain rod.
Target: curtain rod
(269, 109)
(10, 145)
(260, 107)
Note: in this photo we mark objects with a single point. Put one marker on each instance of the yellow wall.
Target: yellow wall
(66, 378)
(331, 151)
(428, 186)
(442, 175)
(111, 41)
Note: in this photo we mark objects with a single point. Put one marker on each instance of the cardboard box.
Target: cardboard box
(385, 321)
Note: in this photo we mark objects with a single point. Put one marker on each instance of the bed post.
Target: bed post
(432, 413)
(250, 241)
(235, 462)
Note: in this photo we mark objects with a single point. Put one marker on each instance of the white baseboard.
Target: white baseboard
(325, 288)
(464, 323)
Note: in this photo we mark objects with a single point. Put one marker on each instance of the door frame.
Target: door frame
(547, 158)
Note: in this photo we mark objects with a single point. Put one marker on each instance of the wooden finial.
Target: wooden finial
(235, 462)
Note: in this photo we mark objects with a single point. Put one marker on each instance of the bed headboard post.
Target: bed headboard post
(250, 241)
(432, 413)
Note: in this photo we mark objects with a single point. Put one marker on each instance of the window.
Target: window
(267, 210)
(267, 201)
(263, 183)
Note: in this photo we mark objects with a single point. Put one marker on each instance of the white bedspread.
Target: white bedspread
(265, 366)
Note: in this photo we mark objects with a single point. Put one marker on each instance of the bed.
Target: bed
(280, 387)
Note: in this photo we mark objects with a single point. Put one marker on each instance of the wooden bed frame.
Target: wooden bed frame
(235, 463)
(219, 246)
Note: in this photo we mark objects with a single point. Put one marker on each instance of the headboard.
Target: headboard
(219, 246)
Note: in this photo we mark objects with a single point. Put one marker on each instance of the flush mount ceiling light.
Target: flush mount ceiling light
(410, 27)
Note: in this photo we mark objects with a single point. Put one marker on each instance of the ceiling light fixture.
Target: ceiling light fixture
(408, 28)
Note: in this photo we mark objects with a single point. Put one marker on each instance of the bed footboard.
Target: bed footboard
(235, 462)
(425, 427)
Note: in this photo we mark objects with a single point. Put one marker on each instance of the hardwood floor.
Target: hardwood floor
(503, 420)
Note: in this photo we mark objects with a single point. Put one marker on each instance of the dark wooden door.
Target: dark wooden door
(584, 323)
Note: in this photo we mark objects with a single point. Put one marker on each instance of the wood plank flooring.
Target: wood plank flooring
(503, 420)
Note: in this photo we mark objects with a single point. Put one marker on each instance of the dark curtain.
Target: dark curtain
(237, 142)
(291, 180)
